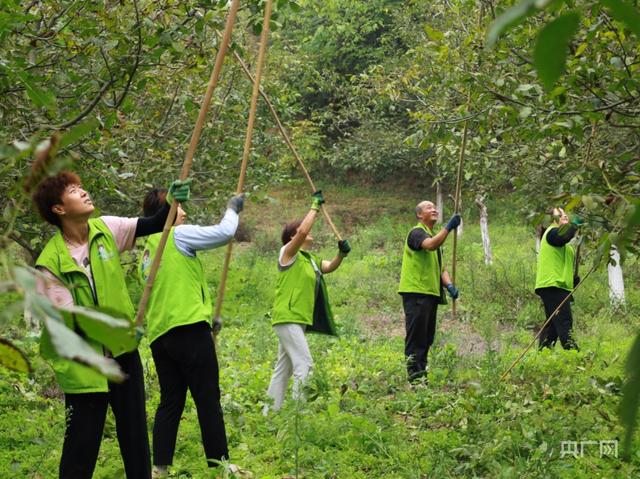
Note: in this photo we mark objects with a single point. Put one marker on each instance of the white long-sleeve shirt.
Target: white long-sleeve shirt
(192, 238)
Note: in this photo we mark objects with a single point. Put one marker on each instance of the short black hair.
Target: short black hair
(290, 230)
(154, 200)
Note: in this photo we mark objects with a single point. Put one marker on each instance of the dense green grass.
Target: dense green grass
(361, 419)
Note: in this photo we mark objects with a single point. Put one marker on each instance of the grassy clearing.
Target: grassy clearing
(362, 420)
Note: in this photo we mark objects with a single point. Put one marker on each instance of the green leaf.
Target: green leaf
(25, 278)
(624, 13)
(68, 345)
(40, 98)
(631, 396)
(78, 132)
(12, 358)
(433, 34)
(550, 53)
(510, 17)
(103, 326)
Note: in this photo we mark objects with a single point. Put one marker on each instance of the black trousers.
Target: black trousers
(420, 322)
(86, 414)
(561, 325)
(185, 358)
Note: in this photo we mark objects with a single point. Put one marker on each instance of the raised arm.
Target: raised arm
(343, 250)
(432, 243)
(293, 246)
(148, 225)
(192, 238)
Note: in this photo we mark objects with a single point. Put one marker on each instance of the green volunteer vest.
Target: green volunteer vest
(421, 270)
(301, 296)
(110, 291)
(180, 294)
(555, 264)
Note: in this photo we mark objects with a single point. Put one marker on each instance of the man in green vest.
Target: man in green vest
(555, 278)
(422, 280)
(81, 264)
(177, 321)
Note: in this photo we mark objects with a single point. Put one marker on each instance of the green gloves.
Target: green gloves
(179, 191)
(317, 200)
(576, 220)
(344, 247)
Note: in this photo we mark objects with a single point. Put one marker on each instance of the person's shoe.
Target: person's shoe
(160, 472)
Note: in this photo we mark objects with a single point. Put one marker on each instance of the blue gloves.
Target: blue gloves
(236, 203)
(453, 291)
(454, 222)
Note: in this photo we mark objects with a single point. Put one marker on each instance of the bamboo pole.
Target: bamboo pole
(288, 142)
(264, 38)
(551, 316)
(188, 159)
(457, 204)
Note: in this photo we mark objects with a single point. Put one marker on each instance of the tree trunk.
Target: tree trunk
(539, 232)
(439, 202)
(484, 230)
(616, 282)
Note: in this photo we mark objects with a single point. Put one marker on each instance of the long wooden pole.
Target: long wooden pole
(457, 205)
(551, 316)
(264, 39)
(287, 140)
(188, 159)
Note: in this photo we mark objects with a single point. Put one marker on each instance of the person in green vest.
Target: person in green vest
(422, 280)
(177, 321)
(556, 277)
(301, 303)
(81, 266)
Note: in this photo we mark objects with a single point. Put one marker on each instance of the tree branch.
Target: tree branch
(84, 112)
(136, 61)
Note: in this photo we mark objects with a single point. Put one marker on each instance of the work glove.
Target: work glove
(576, 220)
(453, 291)
(344, 247)
(317, 200)
(454, 222)
(236, 203)
(180, 191)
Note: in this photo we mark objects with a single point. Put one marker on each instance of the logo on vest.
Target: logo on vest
(146, 262)
(103, 253)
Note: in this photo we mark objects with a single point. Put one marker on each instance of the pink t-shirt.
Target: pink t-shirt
(123, 231)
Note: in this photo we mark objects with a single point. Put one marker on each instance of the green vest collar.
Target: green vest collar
(424, 227)
(67, 264)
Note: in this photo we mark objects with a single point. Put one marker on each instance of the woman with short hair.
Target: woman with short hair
(301, 303)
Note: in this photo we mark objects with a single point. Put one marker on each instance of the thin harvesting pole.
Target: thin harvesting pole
(288, 142)
(463, 147)
(551, 316)
(264, 38)
(188, 159)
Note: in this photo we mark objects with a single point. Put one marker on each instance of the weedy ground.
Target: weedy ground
(361, 419)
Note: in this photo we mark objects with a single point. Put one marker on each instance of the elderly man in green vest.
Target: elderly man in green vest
(82, 265)
(422, 280)
(555, 278)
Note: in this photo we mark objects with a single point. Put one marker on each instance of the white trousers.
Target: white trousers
(293, 358)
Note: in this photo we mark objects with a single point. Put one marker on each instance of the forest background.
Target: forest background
(375, 96)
